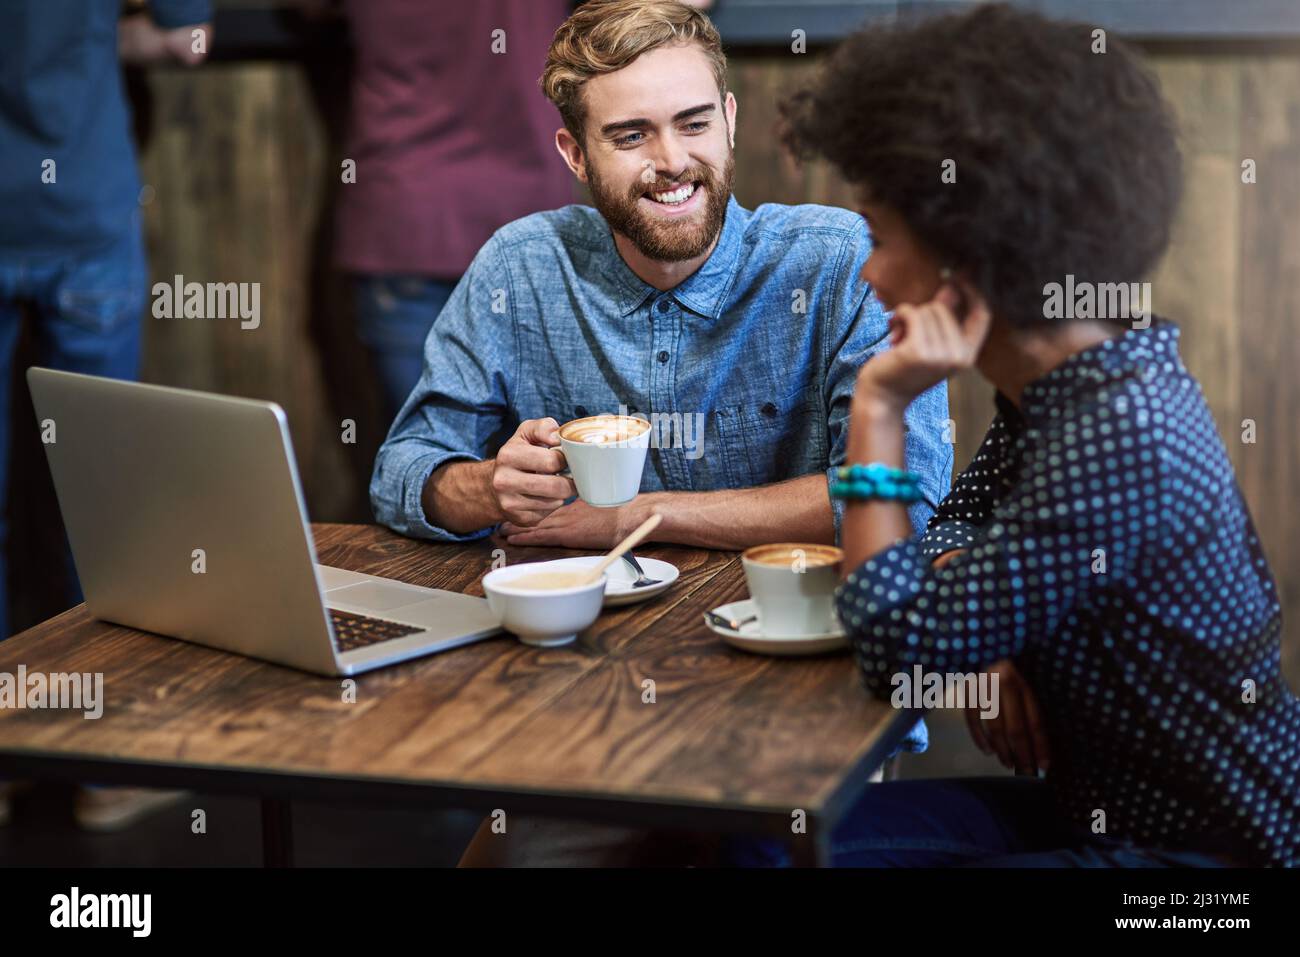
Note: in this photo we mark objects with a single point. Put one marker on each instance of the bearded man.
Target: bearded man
(743, 330)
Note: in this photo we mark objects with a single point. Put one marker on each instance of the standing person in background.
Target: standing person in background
(71, 249)
(451, 139)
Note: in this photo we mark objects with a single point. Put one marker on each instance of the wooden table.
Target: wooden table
(732, 742)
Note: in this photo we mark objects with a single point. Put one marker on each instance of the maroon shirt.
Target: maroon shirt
(451, 141)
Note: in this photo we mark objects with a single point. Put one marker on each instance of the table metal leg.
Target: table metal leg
(277, 833)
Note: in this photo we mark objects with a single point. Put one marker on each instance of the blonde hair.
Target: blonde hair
(603, 36)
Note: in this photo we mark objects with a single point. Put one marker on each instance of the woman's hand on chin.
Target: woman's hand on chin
(928, 343)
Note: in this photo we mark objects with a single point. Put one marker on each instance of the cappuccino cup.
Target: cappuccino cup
(793, 587)
(606, 455)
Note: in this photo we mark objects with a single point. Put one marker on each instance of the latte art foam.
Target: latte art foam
(603, 429)
(789, 555)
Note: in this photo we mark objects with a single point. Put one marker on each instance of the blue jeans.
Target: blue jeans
(394, 315)
(968, 822)
(87, 309)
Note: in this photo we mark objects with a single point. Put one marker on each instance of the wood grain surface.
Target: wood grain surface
(727, 730)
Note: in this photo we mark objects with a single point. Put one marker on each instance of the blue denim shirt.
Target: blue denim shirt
(746, 369)
(62, 103)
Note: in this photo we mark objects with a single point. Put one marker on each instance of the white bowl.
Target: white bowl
(544, 618)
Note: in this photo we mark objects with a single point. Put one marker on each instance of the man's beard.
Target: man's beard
(667, 240)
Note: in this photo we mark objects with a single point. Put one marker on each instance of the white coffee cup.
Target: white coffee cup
(793, 587)
(543, 617)
(606, 455)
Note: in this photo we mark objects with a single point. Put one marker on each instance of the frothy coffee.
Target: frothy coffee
(603, 429)
(546, 581)
(788, 554)
(792, 585)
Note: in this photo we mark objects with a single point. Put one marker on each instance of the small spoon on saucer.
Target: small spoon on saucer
(731, 623)
(638, 534)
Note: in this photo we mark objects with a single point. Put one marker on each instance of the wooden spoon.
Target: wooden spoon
(642, 530)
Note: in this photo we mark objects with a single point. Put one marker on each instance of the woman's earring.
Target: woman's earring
(945, 274)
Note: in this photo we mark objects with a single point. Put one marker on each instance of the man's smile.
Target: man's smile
(676, 198)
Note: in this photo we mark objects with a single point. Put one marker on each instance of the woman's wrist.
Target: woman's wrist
(875, 405)
(876, 433)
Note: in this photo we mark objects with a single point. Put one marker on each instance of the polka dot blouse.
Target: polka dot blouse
(1110, 554)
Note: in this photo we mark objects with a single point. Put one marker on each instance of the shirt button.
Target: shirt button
(580, 411)
(663, 356)
(769, 409)
(665, 305)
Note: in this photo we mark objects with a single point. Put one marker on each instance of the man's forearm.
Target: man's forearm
(798, 510)
(459, 497)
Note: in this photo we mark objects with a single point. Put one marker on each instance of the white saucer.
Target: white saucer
(751, 638)
(619, 577)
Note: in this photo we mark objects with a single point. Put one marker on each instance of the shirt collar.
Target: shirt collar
(1138, 352)
(705, 291)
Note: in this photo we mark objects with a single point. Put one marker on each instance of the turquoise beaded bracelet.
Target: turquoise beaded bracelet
(878, 482)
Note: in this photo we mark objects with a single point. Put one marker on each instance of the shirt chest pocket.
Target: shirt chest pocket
(768, 440)
(567, 405)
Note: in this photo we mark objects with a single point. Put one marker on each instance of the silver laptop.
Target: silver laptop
(186, 519)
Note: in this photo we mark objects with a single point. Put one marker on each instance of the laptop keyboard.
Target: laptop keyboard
(352, 631)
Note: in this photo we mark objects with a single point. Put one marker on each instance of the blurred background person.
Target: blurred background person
(72, 255)
(71, 251)
(452, 139)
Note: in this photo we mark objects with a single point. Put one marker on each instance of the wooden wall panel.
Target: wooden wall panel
(1196, 284)
(1267, 301)
(237, 165)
